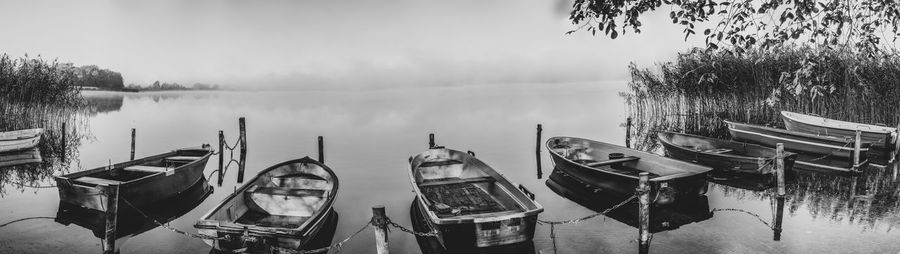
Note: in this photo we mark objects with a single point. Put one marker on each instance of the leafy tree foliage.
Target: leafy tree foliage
(864, 26)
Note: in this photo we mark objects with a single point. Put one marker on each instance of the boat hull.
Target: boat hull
(727, 161)
(877, 135)
(795, 141)
(20, 140)
(20, 157)
(138, 193)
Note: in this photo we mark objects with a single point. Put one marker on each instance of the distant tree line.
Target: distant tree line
(165, 86)
(93, 76)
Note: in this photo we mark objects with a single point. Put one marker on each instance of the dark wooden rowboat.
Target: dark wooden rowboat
(796, 141)
(431, 245)
(143, 181)
(20, 139)
(588, 161)
(469, 204)
(874, 134)
(284, 206)
(722, 154)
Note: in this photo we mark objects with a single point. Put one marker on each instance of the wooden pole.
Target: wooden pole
(430, 140)
(63, 142)
(381, 235)
(779, 168)
(321, 149)
(221, 156)
(133, 132)
(242, 127)
(896, 145)
(540, 173)
(537, 144)
(779, 216)
(644, 213)
(856, 149)
(112, 209)
(628, 132)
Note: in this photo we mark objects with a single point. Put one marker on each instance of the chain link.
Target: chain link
(336, 247)
(744, 211)
(201, 236)
(577, 220)
(433, 233)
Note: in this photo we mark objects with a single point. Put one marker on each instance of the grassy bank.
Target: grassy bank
(699, 89)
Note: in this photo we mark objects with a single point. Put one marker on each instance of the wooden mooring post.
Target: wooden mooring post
(856, 149)
(644, 213)
(242, 127)
(321, 149)
(111, 192)
(537, 143)
(628, 132)
(779, 216)
(431, 140)
(537, 152)
(896, 150)
(62, 155)
(779, 168)
(133, 132)
(221, 156)
(381, 233)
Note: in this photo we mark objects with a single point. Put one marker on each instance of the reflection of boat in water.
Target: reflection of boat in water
(32, 155)
(284, 206)
(662, 218)
(20, 139)
(141, 182)
(469, 204)
(744, 181)
(131, 222)
(586, 160)
(722, 154)
(431, 245)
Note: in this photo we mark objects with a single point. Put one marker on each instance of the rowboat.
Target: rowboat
(881, 135)
(284, 206)
(141, 182)
(20, 139)
(722, 154)
(608, 167)
(32, 155)
(662, 218)
(131, 222)
(795, 141)
(468, 203)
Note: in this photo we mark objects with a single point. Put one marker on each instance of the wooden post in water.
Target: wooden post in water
(779, 216)
(242, 127)
(628, 132)
(644, 213)
(537, 151)
(856, 149)
(779, 168)
(221, 156)
(112, 210)
(381, 233)
(430, 140)
(63, 142)
(133, 132)
(896, 145)
(321, 149)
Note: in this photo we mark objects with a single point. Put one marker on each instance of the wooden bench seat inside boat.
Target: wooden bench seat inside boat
(439, 163)
(262, 219)
(151, 169)
(183, 158)
(452, 180)
(97, 181)
(461, 198)
(286, 191)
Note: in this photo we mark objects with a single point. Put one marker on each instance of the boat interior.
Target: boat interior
(283, 197)
(717, 146)
(597, 155)
(129, 171)
(456, 184)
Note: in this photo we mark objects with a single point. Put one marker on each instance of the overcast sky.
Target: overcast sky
(334, 43)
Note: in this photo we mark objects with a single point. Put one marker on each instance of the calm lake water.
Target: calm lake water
(370, 134)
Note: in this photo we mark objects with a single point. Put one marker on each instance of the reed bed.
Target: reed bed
(37, 81)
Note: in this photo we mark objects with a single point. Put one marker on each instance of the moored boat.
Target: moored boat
(284, 206)
(880, 135)
(608, 167)
(796, 141)
(722, 154)
(20, 139)
(469, 204)
(141, 182)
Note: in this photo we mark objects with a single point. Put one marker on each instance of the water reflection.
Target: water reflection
(431, 245)
(102, 102)
(131, 222)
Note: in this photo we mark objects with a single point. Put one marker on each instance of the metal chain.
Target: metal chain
(577, 220)
(201, 236)
(744, 211)
(336, 247)
(433, 233)
(24, 219)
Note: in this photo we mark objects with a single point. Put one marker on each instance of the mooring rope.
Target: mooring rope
(746, 212)
(577, 220)
(25, 219)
